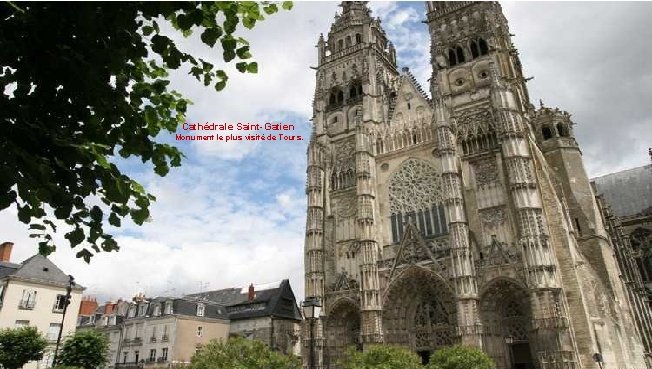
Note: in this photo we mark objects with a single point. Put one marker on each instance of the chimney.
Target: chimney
(108, 307)
(5, 251)
(252, 293)
(87, 306)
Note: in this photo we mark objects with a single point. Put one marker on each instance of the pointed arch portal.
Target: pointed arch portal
(419, 312)
(341, 330)
(505, 313)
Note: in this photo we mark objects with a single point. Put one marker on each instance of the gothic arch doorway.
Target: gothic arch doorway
(341, 330)
(506, 315)
(419, 312)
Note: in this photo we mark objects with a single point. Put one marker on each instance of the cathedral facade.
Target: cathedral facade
(460, 217)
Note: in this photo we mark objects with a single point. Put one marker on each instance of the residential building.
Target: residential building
(163, 331)
(33, 293)
(461, 217)
(160, 331)
(266, 312)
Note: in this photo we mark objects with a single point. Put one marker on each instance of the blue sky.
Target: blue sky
(234, 214)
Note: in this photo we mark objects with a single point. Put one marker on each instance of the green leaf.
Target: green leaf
(228, 55)
(219, 86)
(184, 22)
(85, 254)
(147, 30)
(96, 214)
(249, 22)
(243, 52)
(287, 5)
(210, 35)
(270, 9)
(75, 237)
(139, 216)
(221, 74)
(252, 67)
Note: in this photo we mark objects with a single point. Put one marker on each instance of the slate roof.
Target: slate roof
(628, 192)
(278, 302)
(7, 268)
(37, 269)
(184, 306)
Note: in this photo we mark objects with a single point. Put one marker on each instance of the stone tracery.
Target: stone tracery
(505, 314)
(341, 330)
(419, 311)
(417, 185)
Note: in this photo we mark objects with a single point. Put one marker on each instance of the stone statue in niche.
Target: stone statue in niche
(343, 175)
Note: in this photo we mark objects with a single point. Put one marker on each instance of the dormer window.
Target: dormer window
(157, 310)
(168, 308)
(132, 311)
(142, 309)
(200, 309)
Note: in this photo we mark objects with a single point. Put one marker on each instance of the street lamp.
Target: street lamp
(71, 283)
(597, 357)
(311, 310)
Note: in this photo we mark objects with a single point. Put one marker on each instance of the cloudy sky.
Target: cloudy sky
(235, 213)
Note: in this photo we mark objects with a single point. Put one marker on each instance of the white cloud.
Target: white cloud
(232, 212)
(284, 82)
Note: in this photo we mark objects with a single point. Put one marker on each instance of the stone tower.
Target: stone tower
(465, 217)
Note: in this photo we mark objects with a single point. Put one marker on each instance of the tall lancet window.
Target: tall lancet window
(415, 197)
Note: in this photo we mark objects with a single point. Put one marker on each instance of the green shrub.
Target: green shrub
(460, 357)
(381, 357)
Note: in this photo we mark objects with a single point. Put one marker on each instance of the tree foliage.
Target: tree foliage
(19, 346)
(460, 357)
(381, 357)
(85, 349)
(84, 85)
(241, 353)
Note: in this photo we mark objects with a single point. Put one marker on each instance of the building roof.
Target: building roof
(36, 269)
(628, 192)
(276, 300)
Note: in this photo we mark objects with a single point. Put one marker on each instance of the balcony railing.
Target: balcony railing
(165, 338)
(27, 304)
(133, 342)
(152, 339)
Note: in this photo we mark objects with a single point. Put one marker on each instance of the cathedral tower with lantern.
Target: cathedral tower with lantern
(463, 216)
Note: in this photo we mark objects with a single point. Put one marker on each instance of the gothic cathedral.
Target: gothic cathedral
(463, 217)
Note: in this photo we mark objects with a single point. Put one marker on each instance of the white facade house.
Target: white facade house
(33, 293)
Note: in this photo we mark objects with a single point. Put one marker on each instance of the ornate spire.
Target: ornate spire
(352, 12)
(354, 8)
